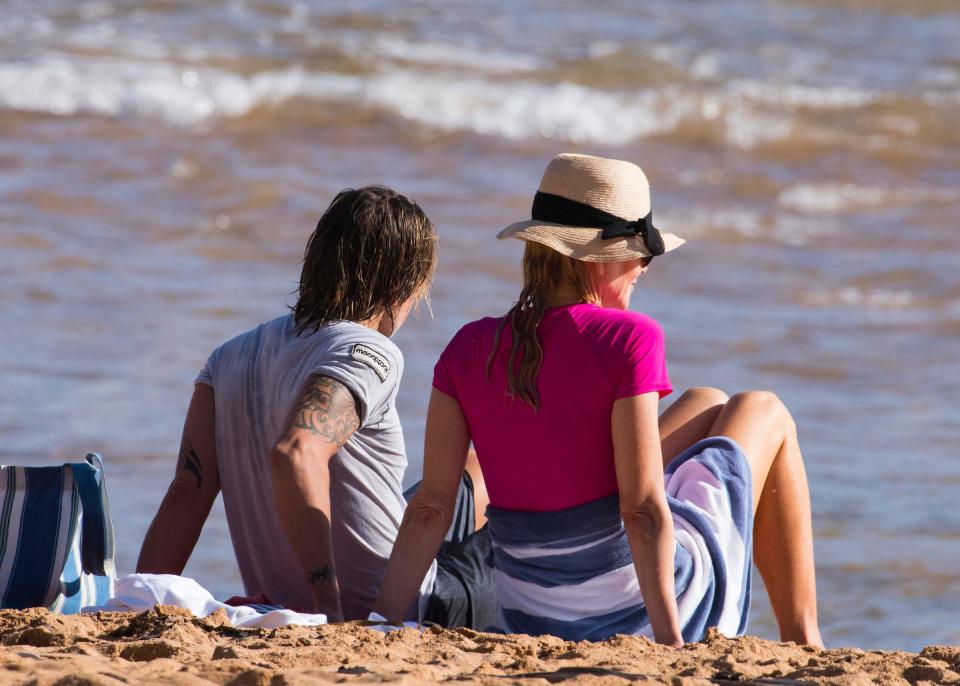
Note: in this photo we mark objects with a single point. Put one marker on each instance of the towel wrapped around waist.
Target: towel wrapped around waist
(570, 573)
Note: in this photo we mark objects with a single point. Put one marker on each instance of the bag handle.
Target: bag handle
(97, 539)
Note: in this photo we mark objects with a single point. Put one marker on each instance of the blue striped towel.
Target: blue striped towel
(570, 573)
(56, 537)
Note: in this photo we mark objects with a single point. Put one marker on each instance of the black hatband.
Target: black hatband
(556, 209)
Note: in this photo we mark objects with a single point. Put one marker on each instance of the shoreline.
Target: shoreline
(168, 645)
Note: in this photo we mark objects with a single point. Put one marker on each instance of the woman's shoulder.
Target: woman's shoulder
(464, 354)
(631, 347)
(475, 333)
(606, 321)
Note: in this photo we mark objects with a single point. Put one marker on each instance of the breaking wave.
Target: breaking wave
(743, 114)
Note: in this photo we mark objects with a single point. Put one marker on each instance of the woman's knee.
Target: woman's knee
(766, 404)
(705, 395)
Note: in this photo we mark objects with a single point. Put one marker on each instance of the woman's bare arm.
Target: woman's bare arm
(643, 506)
(430, 512)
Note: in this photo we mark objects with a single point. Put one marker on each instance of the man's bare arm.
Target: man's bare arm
(325, 416)
(176, 527)
(328, 410)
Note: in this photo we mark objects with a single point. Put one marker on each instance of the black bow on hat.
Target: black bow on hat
(559, 210)
(641, 227)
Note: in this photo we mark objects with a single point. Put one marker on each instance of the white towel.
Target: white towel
(141, 592)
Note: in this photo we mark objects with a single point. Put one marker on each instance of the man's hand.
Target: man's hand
(175, 529)
(324, 417)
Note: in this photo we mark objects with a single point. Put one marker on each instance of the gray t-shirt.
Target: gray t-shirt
(257, 377)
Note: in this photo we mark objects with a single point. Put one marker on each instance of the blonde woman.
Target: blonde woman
(604, 519)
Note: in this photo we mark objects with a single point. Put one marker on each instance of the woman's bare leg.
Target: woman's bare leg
(689, 419)
(782, 531)
(480, 497)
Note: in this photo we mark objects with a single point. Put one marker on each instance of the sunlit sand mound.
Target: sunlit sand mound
(169, 646)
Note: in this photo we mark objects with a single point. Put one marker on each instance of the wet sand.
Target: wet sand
(169, 646)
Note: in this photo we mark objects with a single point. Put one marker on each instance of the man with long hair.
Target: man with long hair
(296, 421)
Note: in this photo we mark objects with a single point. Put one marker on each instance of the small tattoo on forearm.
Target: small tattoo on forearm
(190, 461)
(321, 575)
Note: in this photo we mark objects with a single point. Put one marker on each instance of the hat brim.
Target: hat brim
(585, 244)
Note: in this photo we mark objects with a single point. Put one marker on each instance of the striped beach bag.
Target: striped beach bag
(56, 537)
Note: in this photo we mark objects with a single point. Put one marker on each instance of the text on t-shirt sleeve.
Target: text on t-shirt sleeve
(368, 371)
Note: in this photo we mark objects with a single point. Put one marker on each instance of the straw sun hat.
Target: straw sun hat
(594, 209)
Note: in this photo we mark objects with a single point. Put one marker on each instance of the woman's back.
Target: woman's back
(560, 550)
(561, 455)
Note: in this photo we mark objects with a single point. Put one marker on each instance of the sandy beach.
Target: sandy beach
(167, 645)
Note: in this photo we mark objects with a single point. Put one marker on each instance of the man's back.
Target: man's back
(257, 378)
(295, 422)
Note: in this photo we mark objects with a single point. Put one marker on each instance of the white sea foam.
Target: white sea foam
(853, 296)
(747, 127)
(716, 222)
(737, 223)
(941, 76)
(60, 87)
(104, 35)
(565, 111)
(184, 97)
(706, 65)
(490, 105)
(450, 55)
(34, 28)
(603, 48)
(181, 97)
(95, 9)
(827, 198)
(798, 230)
(831, 197)
(794, 95)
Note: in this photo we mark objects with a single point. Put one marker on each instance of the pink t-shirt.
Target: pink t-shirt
(561, 456)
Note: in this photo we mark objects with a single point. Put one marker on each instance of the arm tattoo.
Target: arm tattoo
(190, 461)
(328, 409)
(321, 575)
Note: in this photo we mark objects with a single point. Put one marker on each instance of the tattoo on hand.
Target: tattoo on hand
(321, 575)
(328, 409)
(190, 461)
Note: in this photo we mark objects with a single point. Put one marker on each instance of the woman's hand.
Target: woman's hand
(643, 507)
(649, 528)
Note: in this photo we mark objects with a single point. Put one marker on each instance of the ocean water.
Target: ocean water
(162, 163)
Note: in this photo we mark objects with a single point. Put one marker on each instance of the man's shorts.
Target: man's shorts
(464, 592)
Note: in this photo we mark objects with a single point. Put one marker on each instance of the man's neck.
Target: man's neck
(381, 323)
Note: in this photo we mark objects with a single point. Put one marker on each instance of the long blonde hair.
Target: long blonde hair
(545, 271)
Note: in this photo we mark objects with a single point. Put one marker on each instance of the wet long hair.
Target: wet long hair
(372, 250)
(544, 271)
